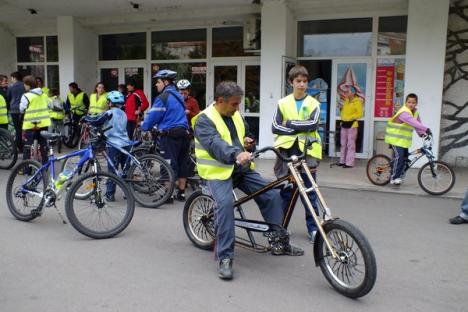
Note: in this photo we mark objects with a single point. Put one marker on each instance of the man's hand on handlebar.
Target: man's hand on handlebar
(243, 158)
(249, 144)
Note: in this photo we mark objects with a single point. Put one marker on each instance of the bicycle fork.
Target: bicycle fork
(304, 192)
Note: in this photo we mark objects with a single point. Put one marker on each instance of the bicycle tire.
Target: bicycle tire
(87, 167)
(347, 241)
(83, 142)
(8, 150)
(70, 140)
(379, 169)
(153, 183)
(438, 165)
(141, 151)
(98, 200)
(11, 191)
(198, 220)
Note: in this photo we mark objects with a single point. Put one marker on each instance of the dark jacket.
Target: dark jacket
(14, 94)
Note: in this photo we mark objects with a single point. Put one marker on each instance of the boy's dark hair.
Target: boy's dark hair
(412, 96)
(297, 70)
(74, 85)
(30, 81)
(131, 82)
(39, 79)
(16, 75)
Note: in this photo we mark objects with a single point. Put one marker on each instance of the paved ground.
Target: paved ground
(151, 266)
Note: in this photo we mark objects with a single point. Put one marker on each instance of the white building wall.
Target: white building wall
(425, 60)
(7, 52)
(77, 55)
(277, 27)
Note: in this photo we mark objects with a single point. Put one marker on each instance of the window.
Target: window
(30, 49)
(392, 35)
(130, 46)
(178, 44)
(343, 37)
(38, 56)
(193, 72)
(228, 41)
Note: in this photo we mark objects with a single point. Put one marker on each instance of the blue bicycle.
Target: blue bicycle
(31, 187)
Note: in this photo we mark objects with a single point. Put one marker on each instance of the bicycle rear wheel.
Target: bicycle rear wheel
(198, 218)
(379, 169)
(354, 273)
(152, 182)
(101, 215)
(24, 197)
(8, 150)
(437, 179)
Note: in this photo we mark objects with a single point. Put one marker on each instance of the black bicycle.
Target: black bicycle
(8, 150)
(340, 250)
(435, 177)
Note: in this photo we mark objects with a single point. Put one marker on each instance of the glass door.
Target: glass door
(113, 75)
(356, 73)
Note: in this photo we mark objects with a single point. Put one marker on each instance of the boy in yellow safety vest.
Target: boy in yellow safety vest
(399, 134)
(57, 113)
(296, 118)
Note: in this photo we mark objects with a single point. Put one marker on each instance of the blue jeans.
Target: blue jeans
(464, 207)
(400, 155)
(286, 194)
(118, 159)
(221, 191)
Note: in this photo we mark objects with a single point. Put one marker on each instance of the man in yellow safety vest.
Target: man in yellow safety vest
(220, 136)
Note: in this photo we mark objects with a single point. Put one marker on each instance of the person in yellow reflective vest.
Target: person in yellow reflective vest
(98, 100)
(3, 113)
(351, 110)
(220, 135)
(40, 84)
(77, 103)
(297, 117)
(57, 113)
(36, 117)
(399, 134)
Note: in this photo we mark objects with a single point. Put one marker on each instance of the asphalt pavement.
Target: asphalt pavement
(152, 266)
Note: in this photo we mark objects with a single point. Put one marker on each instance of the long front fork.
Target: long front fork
(304, 192)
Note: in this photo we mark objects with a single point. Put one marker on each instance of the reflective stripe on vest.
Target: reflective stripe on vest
(289, 111)
(209, 168)
(76, 103)
(97, 105)
(37, 110)
(3, 111)
(400, 134)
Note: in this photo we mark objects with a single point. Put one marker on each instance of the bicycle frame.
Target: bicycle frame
(414, 156)
(298, 189)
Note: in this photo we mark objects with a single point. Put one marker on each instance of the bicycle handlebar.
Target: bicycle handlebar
(307, 144)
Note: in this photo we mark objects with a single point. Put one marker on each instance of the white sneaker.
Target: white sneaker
(312, 236)
(397, 181)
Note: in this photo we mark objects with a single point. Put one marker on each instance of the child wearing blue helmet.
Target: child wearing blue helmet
(117, 135)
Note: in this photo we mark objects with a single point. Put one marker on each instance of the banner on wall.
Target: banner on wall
(390, 82)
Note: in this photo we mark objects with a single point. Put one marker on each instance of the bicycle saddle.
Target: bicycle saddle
(50, 135)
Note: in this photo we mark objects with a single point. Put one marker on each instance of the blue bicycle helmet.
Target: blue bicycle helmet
(165, 74)
(116, 98)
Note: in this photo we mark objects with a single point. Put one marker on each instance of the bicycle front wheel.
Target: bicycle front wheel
(106, 212)
(71, 163)
(198, 218)
(24, 193)
(8, 151)
(437, 178)
(152, 182)
(354, 272)
(379, 169)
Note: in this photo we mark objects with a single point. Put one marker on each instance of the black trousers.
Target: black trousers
(29, 137)
(18, 124)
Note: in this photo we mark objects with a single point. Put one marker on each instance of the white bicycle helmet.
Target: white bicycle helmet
(183, 84)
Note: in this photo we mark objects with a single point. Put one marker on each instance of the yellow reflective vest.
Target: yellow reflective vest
(97, 105)
(287, 106)
(3, 111)
(76, 103)
(55, 113)
(400, 134)
(209, 168)
(38, 109)
(352, 110)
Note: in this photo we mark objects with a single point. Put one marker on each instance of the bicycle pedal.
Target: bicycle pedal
(310, 189)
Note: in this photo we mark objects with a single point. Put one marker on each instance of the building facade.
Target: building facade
(386, 49)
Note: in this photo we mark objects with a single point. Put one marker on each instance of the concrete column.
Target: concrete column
(7, 52)
(425, 60)
(77, 55)
(278, 40)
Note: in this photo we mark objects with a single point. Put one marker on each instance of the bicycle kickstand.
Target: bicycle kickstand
(60, 214)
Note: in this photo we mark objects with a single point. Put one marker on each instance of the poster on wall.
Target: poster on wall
(353, 75)
(389, 87)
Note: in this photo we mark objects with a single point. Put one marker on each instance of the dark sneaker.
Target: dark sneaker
(346, 166)
(180, 196)
(225, 269)
(288, 250)
(170, 200)
(458, 220)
